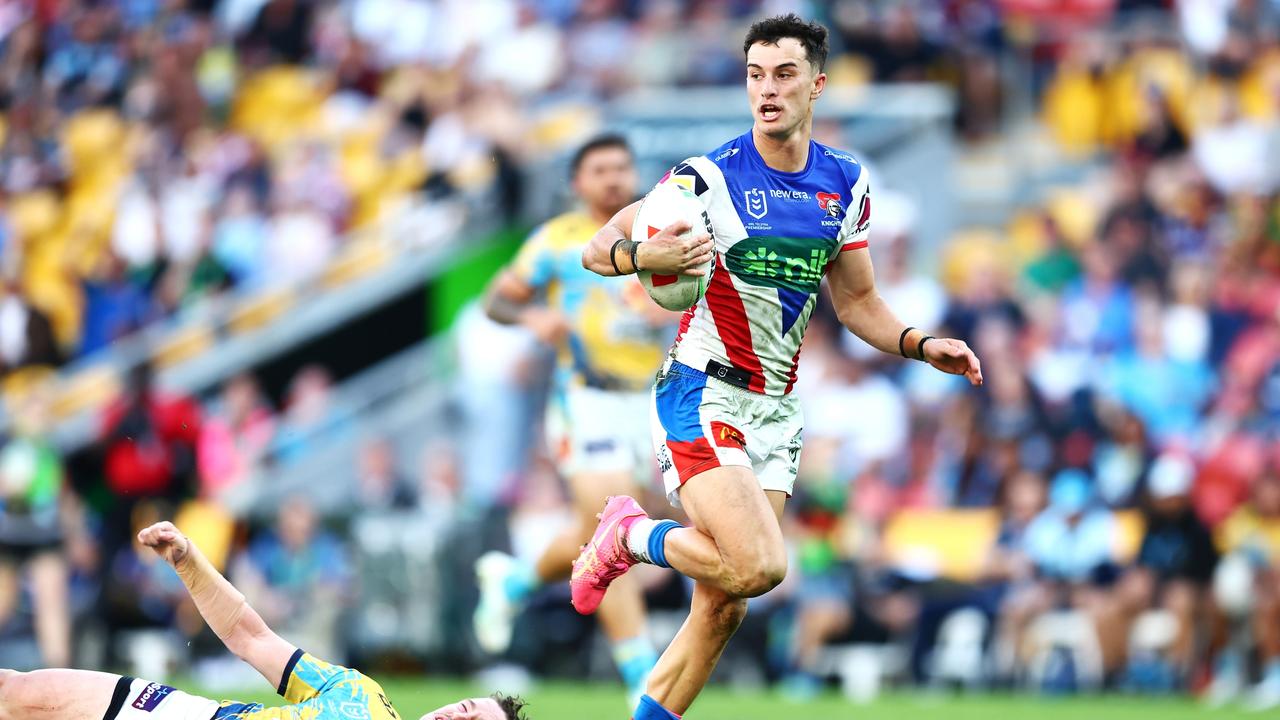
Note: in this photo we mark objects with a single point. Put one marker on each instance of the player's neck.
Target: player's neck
(789, 154)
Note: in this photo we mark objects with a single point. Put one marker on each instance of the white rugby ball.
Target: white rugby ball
(664, 205)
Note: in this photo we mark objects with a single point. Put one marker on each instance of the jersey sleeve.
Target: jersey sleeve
(535, 264)
(306, 676)
(855, 230)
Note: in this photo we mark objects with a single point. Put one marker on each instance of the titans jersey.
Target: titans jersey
(776, 233)
(611, 345)
(318, 691)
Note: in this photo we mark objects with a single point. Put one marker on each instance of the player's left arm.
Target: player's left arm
(224, 608)
(861, 309)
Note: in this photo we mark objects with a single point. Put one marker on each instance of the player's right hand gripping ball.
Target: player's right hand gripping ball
(665, 204)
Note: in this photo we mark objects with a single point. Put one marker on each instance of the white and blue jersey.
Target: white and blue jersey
(776, 233)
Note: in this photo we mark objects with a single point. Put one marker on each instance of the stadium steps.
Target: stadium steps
(225, 335)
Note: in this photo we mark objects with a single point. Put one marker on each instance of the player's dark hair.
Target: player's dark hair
(810, 34)
(599, 142)
(512, 705)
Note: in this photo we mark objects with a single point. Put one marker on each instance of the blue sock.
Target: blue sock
(634, 658)
(649, 709)
(521, 583)
(658, 540)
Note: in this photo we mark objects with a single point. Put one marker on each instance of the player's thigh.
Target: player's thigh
(728, 504)
(590, 489)
(56, 695)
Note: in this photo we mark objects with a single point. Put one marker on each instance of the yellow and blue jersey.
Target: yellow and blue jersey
(612, 343)
(317, 690)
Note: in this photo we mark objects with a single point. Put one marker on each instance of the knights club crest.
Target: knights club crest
(757, 207)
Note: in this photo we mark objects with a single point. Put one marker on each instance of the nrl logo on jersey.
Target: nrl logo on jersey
(757, 205)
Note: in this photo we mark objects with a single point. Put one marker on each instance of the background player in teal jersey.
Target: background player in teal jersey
(314, 689)
(611, 340)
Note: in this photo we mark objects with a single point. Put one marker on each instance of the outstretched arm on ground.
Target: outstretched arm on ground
(239, 626)
(862, 310)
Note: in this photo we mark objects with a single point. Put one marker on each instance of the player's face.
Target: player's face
(470, 709)
(781, 86)
(606, 180)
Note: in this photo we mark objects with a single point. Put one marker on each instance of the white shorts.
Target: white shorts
(593, 430)
(701, 422)
(143, 700)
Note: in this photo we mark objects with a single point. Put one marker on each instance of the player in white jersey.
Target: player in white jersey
(786, 212)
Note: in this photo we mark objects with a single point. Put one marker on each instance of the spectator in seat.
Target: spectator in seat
(295, 575)
(1172, 572)
(31, 528)
(1247, 593)
(148, 440)
(1072, 545)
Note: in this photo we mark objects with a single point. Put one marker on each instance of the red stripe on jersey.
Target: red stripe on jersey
(684, 322)
(791, 374)
(858, 244)
(730, 317)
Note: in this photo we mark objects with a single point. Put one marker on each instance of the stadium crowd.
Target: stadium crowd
(1114, 491)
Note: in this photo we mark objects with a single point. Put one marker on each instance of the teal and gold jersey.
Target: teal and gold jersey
(614, 342)
(317, 690)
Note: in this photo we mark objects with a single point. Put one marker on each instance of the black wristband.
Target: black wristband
(613, 252)
(901, 339)
(635, 265)
(920, 347)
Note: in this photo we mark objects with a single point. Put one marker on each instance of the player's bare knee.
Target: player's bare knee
(757, 577)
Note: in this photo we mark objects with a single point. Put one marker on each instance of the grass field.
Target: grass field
(592, 702)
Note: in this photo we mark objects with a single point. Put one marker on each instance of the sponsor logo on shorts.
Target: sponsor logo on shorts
(664, 459)
(593, 447)
(727, 436)
(793, 449)
(152, 695)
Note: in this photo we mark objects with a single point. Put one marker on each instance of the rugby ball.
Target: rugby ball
(665, 204)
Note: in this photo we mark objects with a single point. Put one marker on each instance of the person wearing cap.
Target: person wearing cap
(1072, 545)
(1172, 571)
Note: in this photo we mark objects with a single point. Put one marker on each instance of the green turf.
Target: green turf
(556, 701)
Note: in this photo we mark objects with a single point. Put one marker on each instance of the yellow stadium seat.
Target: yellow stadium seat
(357, 260)
(1076, 217)
(278, 104)
(34, 215)
(184, 344)
(1130, 527)
(1074, 105)
(951, 543)
(257, 311)
(88, 389)
(210, 527)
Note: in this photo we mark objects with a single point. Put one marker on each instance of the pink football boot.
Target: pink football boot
(606, 557)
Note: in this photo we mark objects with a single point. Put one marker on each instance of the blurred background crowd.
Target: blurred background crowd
(1104, 513)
